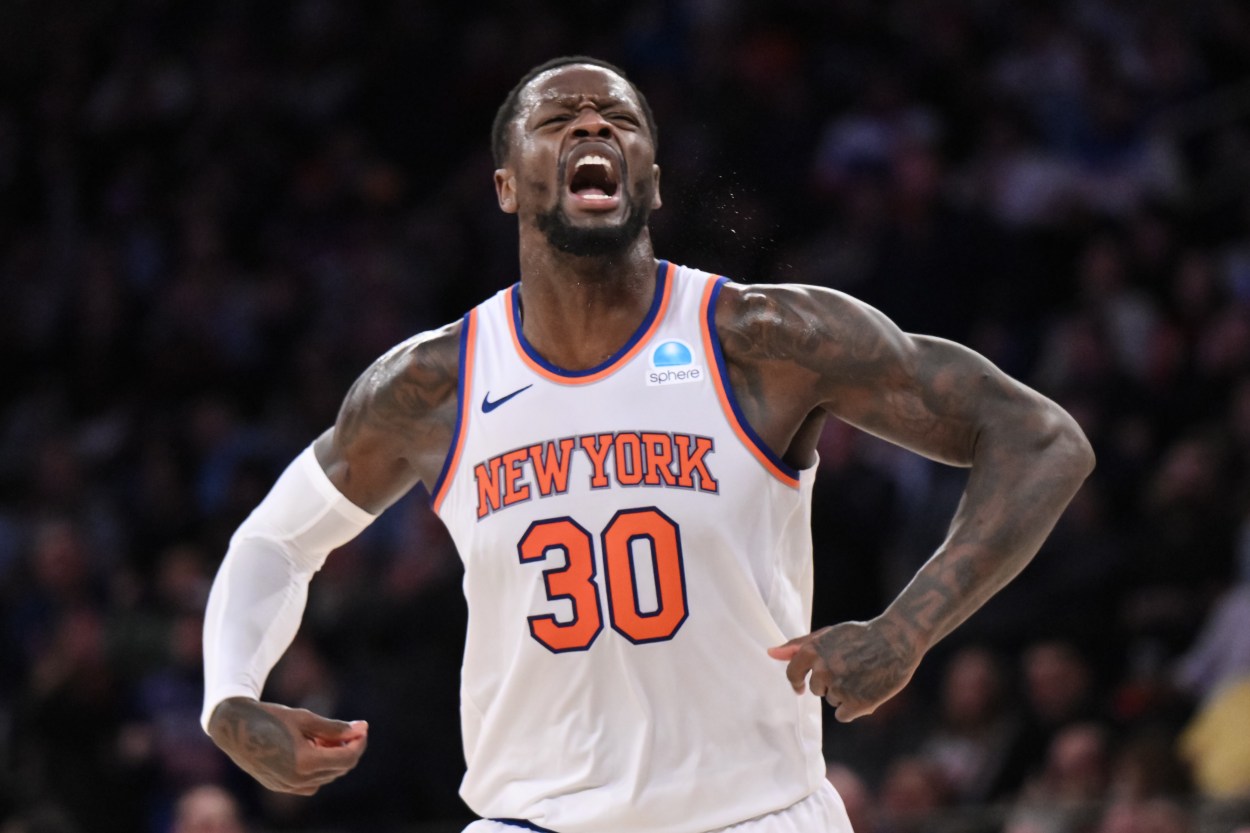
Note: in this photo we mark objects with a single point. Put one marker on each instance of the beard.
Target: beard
(596, 242)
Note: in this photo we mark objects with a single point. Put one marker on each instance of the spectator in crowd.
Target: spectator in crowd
(855, 796)
(1158, 815)
(207, 809)
(1146, 764)
(976, 729)
(1220, 655)
(1067, 794)
(915, 789)
(1216, 670)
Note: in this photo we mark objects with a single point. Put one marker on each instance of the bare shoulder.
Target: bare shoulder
(397, 421)
(790, 352)
(827, 350)
(406, 385)
(811, 337)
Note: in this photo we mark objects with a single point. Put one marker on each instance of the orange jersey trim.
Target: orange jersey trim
(464, 406)
(633, 348)
(721, 378)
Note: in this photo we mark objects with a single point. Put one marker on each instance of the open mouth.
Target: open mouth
(594, 178)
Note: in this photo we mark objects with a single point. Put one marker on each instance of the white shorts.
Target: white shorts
(820, 812)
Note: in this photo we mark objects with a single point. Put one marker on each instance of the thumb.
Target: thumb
(341, 731)
(786, 651)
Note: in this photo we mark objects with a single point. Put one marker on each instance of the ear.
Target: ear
(505, 190)
(656, 202)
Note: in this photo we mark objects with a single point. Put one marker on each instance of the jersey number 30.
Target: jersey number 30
(575, 580)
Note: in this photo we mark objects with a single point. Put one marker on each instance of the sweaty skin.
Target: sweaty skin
(795, 355)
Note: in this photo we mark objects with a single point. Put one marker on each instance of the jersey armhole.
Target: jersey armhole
(464, 393)
(777, 467)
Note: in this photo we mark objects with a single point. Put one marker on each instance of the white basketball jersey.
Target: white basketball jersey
(631, 550)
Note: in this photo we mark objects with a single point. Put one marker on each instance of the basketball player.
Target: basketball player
(623, 450)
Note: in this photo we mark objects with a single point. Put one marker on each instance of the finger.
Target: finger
(785, 653)
(279, 786)
(834, 697)
(790, 647)
(319, 771)
(334, 743)
(325, 776)
(797, 670)
(344, 754)
(847, 712)
(318, 781)
(820, 683)
(308, 783)
(314, 725)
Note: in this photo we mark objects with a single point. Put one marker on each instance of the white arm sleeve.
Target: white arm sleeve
(257, 600)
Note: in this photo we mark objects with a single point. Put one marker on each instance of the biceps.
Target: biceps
(366, 468)
(932, 396)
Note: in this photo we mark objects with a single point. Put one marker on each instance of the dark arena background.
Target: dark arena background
(214, 215)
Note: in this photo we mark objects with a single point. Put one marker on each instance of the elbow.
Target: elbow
(1069, 445)
(1088, 459)
(1082, 453)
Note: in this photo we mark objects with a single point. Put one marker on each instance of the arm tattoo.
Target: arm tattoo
(791, 350)
(405, 388)
(950, 589)
(795, 349)
(261, 737)
(396, 423)
(868, 663)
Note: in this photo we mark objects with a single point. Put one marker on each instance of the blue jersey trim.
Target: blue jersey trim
(729, 391)
(463, 380)
(661, 281)
(523, 823)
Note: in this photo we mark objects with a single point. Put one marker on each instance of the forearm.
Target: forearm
(1023, 476)
(254, 611)
(937, 398)
(258, 596)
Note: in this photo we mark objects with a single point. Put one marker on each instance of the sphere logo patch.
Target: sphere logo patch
(672, 363)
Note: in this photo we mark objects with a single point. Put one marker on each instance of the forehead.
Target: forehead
(574, 82)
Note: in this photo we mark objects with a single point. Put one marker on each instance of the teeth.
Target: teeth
(595, 196)
(593, 159)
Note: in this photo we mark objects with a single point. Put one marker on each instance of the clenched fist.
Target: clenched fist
(287, 750)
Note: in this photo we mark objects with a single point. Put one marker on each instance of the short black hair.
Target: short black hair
(507, 111)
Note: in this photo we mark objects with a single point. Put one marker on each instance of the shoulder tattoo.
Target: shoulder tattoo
(411, 389)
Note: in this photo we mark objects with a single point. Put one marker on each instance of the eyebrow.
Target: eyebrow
(572, 100)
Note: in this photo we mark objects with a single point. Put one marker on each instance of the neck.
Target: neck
(578, 311)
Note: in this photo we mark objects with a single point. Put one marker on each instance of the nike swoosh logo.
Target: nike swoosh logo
(488, 406)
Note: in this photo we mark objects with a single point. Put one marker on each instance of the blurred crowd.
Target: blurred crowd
(214, 215)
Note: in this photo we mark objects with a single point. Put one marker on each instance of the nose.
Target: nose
(589, 123)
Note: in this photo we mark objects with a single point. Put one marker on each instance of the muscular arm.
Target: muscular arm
(396, 422)
(796, 351)
(393, 431)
